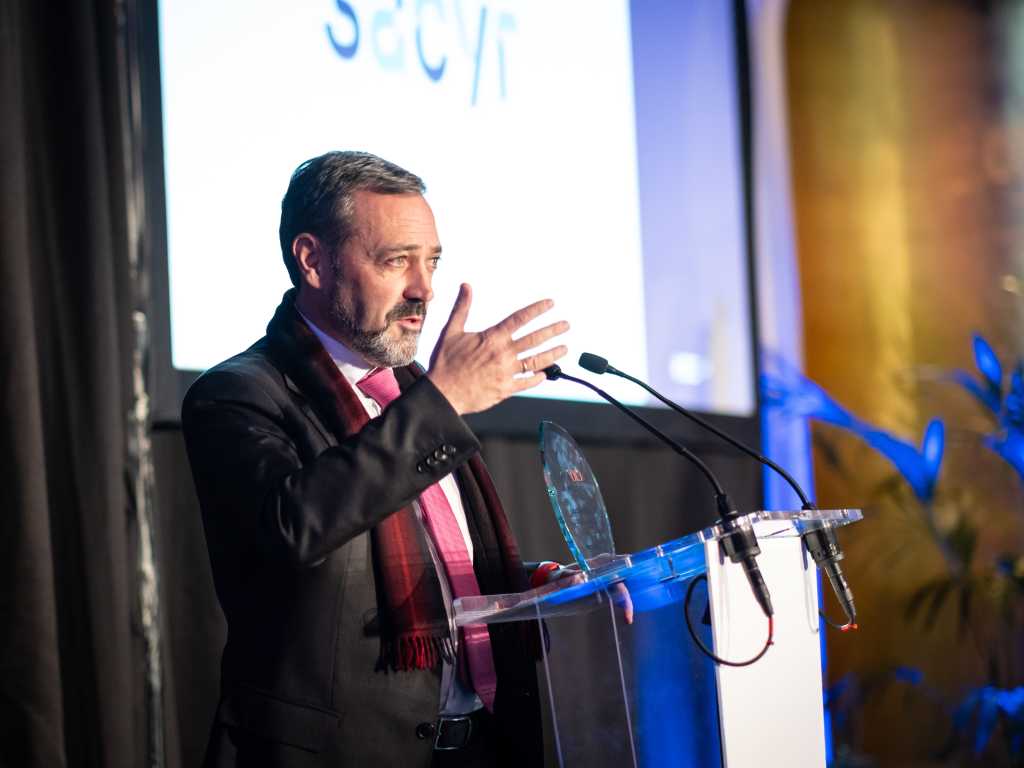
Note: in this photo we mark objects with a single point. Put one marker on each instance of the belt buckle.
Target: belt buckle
(453, 733)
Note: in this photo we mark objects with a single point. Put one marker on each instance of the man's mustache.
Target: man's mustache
(406, 309)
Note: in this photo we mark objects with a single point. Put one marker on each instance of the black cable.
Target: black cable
(707, 651)
(851, 624)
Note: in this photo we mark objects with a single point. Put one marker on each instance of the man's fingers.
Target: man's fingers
(460, 311)
(541, 361)
(518, 319)
(528, 382)
(623, 598)
(535, 339)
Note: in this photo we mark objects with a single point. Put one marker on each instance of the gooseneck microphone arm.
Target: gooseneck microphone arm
(738, 541)
(553, 372)
(599, 365)
(821, 543)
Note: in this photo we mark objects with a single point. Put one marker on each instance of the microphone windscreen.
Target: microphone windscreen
(593, 363)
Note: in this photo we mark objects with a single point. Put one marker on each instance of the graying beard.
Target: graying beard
(375, 346)
(378, 349)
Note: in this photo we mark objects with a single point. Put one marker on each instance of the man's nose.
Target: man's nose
(419, 287)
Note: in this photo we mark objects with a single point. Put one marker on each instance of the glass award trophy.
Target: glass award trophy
(576, 498)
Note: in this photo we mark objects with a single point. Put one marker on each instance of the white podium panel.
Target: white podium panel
(771, 713)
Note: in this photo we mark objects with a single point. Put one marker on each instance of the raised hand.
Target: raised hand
(477, 370)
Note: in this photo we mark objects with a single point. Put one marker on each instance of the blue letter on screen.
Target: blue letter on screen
(479, 54)
(435, 72)
(345, 51)
(384, 25)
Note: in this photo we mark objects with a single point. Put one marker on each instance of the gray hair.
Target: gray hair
(320, 200)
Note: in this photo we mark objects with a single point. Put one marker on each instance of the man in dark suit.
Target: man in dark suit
(345, 504)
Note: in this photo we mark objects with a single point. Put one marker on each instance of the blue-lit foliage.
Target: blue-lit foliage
(989, 389)
(783, 387)
(993, 584)
(1006, 407)
(974, 717)
(980, 710)
(786, 388)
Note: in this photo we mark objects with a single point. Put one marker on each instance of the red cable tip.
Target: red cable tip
(847, 627)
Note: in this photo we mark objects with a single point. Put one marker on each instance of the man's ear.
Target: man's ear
(312, 260)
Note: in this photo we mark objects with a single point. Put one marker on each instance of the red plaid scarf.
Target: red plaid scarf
(413, 627)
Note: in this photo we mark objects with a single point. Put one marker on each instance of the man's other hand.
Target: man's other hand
(475, 371)
(570, 575)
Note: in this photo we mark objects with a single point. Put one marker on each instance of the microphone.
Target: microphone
(738, 541)
(821, 543)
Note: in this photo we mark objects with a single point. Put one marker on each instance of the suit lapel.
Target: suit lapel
(308, 411)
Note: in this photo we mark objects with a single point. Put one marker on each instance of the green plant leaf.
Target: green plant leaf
(966, 595)
(963, 540)
(938, 600)
(828, 450)
(889, 487)
(917, 599)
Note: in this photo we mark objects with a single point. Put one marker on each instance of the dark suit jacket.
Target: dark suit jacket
(287, 509)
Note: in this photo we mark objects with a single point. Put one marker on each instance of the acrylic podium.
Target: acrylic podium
(644, 694)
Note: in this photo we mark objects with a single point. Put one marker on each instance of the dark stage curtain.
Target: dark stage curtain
(71, 666)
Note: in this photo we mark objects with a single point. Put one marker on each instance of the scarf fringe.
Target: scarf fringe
(415, 651)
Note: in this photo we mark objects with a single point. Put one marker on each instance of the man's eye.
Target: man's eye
(397, 261)
(434, 261)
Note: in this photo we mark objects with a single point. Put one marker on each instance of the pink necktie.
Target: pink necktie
(382, 386)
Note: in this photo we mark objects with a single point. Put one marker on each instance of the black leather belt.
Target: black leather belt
(451, 733)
